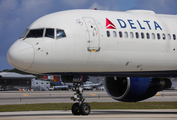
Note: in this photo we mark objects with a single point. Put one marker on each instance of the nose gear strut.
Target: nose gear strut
(79, 108)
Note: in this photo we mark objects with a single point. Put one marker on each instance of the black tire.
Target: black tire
(75, 109)
(85, 109)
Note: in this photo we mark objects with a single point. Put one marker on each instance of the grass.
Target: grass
(94, 105)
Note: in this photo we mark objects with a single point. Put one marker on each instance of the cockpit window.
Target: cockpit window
(60, 34)
(49, 33)
(35, 33)
(24, 33)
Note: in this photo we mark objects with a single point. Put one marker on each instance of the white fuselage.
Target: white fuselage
(93, 43)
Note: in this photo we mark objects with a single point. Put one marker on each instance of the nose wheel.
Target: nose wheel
(75, 109)
(79, 108)
(83, 109)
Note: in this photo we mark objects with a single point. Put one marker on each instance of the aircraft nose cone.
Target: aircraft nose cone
(21, 55)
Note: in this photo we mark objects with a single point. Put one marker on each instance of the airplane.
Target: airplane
(135, 50)
(57, 80)
(88, 85)
(58, 84)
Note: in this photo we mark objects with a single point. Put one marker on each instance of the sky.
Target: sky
(17, 15)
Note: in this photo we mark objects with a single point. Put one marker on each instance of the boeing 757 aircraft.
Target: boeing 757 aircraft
(135, 50)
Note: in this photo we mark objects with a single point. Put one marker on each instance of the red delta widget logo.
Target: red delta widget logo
(109, 24)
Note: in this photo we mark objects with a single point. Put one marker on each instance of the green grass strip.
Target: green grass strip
(94, 105)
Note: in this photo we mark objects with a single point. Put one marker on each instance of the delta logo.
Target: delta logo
(134, 24)
(109, 24)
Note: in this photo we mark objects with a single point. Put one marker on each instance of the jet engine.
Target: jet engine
(132, 89)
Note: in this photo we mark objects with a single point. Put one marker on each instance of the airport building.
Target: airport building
(15, 80)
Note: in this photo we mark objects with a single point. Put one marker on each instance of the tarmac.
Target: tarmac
(30, 97)
(95, 114)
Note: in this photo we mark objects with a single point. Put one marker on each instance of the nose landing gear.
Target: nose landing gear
(79, 108)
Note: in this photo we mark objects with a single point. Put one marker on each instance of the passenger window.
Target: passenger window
(158, 36)
(131, 34)
(60, 34)
(137, 35)
(108, 33)
(49, 33)
(153, 36)
(120, 34)
(174, 37)
(35, 33)
(126, 35)
(169, 37)
(163, 36)
(142, 35)
(147, 35)
(114, 34)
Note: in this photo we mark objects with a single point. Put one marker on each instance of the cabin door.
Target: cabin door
(93, 37)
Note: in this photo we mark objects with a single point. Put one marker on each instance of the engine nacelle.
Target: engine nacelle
(132, 89)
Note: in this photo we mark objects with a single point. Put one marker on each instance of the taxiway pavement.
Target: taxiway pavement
(91, 96)
(95, 114)
(9, 97)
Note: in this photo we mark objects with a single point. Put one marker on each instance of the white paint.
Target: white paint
(70, 54)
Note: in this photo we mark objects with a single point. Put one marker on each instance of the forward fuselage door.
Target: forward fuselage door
(93, 37)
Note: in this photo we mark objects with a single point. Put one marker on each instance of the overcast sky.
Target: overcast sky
(17, 15)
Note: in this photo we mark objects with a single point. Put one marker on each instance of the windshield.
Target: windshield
(24, 33)
(49, 33)
(35, 33)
